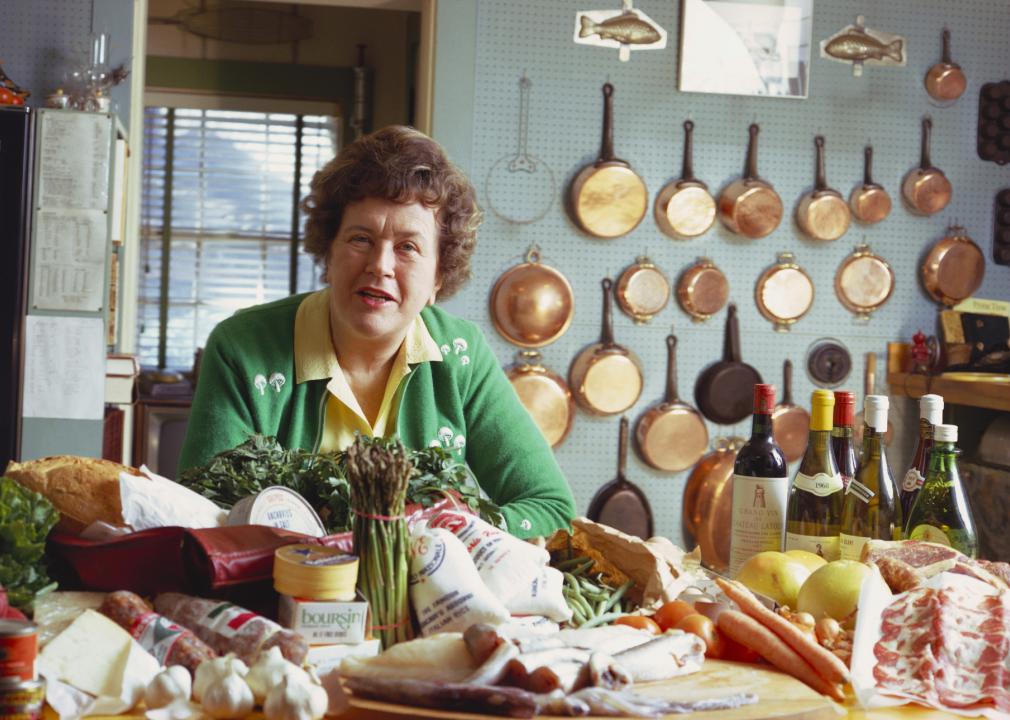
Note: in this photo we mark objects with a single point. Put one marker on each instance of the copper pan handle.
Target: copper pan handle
(687, 169)
(607, 143)
(868, 165)
(820, 180)
(671, 368)
(607, 331)
(787, 382)
(750, 171)
(622, 448)
(945, 55)
(927, 126)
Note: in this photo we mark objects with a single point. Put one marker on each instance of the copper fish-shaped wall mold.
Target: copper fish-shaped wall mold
(625, 30)
(859, 45)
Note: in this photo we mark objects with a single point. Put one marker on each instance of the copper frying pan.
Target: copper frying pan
(749, 206)
(790, 422)
(532, 304)
(608, 198)
(925, 188)
(671, 435)
(869, 387)
(702, 290)
(954, 268)
(685, 209)
(822, 213)
(870, 202)
(945, 81)
(620, 503)
(606, 378)
(707, 508)
(544, 395)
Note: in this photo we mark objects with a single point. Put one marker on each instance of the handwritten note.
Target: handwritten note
(69, 269)
(64, 368)
(74, 160)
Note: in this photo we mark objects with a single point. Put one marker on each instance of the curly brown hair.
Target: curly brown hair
(404, 165)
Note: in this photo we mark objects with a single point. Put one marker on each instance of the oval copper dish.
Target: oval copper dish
(869, 202)
(749, 206)
(784, 293)
(707, 507)
(544, 395)
(702, 290)
(925, 188)
(642, 290)
(954, 268)
(822, 213)
(864, 282)
(790, 422)
(608, 198)
(685, 209)
(532, 304)
(945, 81)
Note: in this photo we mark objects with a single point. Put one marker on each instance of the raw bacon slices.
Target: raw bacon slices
(949, 648)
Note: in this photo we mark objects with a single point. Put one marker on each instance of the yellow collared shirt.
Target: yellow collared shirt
(315, 359)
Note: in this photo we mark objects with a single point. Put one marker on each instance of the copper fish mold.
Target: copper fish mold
(860, 45)
(624, 30)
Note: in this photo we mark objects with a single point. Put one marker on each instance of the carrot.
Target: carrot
(826, 663)
(752, 634)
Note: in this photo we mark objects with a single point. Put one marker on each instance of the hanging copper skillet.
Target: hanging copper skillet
(606, 378)
(702, 290)
(532, 304)
(749, 206)
(945, 81)
(707, 508)
(642, 290)
(620, 503)
(822, 213)
(790, 423)
(724, 390)
(954, 268)
(544, 395)
(863, 282)
(685, 209)
(870, 202)
(671, 435)
(925, 188)
(608, 198)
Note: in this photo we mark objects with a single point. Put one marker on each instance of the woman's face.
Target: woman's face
(382, 270)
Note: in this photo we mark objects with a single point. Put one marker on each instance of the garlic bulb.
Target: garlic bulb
(269, 669)
(172, 683)
(210, 670)
(296, 699)
(228, 698)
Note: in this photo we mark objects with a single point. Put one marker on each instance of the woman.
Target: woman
(393, 223)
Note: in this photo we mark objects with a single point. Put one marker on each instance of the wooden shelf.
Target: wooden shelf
(974, 393)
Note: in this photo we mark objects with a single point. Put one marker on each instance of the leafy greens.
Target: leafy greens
(26, 518)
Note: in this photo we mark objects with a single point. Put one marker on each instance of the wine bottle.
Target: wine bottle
(870, 507)
(941, 512)
(760, 487)
(930, 415)
(842, 446)
(815, 496)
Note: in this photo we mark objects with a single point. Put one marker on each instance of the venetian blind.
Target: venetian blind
(218, 193)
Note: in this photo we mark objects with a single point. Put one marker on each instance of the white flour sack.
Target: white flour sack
(447, 592)
(543, 596)
(507, 564)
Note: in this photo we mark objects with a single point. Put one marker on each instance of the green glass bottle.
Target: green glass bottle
(870, 509)
(941, 512)
(814, 511)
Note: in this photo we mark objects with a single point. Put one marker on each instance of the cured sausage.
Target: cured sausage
(170, 644)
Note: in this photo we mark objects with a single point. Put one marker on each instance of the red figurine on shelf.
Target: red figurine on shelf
(923, 353)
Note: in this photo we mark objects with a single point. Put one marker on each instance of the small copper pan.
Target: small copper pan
(784, 292)
(685, 209)
(864, 282)
(926, 189)
(707, 508)
(945, 81)
(870, 202)
(606, 378)
(531, 303)
(749, 206)
(790, 422)
(954, 268)
(671, 435)
(702, 290)
(642, 290)
(544, 395)
(822, 213)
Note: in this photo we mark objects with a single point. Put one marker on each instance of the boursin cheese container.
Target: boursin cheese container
(278, 507)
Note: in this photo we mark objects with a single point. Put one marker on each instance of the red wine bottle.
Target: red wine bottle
(842, 446)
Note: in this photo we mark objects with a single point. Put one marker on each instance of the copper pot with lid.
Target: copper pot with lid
(784, 292)
(945, 81)
(642, 290)
(749, 206)
(685, 209)
(544, 394)
(702, 290)
(707, 508)
(954, 268)
(532, 304)
(822, 213)
(925, 188)
(869, 202)
(864, 282)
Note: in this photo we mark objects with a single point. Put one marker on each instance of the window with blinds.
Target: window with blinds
(221, 227)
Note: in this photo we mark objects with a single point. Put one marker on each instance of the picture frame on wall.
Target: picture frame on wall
(746, 47)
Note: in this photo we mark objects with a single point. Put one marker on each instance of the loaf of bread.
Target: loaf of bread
(82, 489)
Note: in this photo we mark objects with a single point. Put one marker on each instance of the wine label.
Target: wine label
(851, 546)
(759, 517)
(859, 490)
(912, 481)
(825, 546)
(820, 484)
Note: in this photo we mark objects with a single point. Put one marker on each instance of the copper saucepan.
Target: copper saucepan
(702, 290)
(532, 304)
(685, 209)
(707, 508)
(749, 206)
(544, 395)
(945, 81)
(925, 188)
(954, 268)
(870, 202)
(822, 213)
(606, 378)
(608, 198)
(790, 422)
(642, 290)
(671, 435)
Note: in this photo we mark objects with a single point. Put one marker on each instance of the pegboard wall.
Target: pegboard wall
(884, 107)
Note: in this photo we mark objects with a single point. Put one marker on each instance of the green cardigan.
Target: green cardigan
(464, 403)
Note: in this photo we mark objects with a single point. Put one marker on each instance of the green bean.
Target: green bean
(600, 606)
(577, 616)
(578, 600)
(618, 594)
(569, 563)
(601, 619)
(589, 586)
(596, 596)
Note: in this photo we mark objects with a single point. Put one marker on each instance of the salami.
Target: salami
(170, 644)
(230, 628)
(923, 560)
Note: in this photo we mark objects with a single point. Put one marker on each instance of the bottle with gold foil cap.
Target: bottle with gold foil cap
(815, 496)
